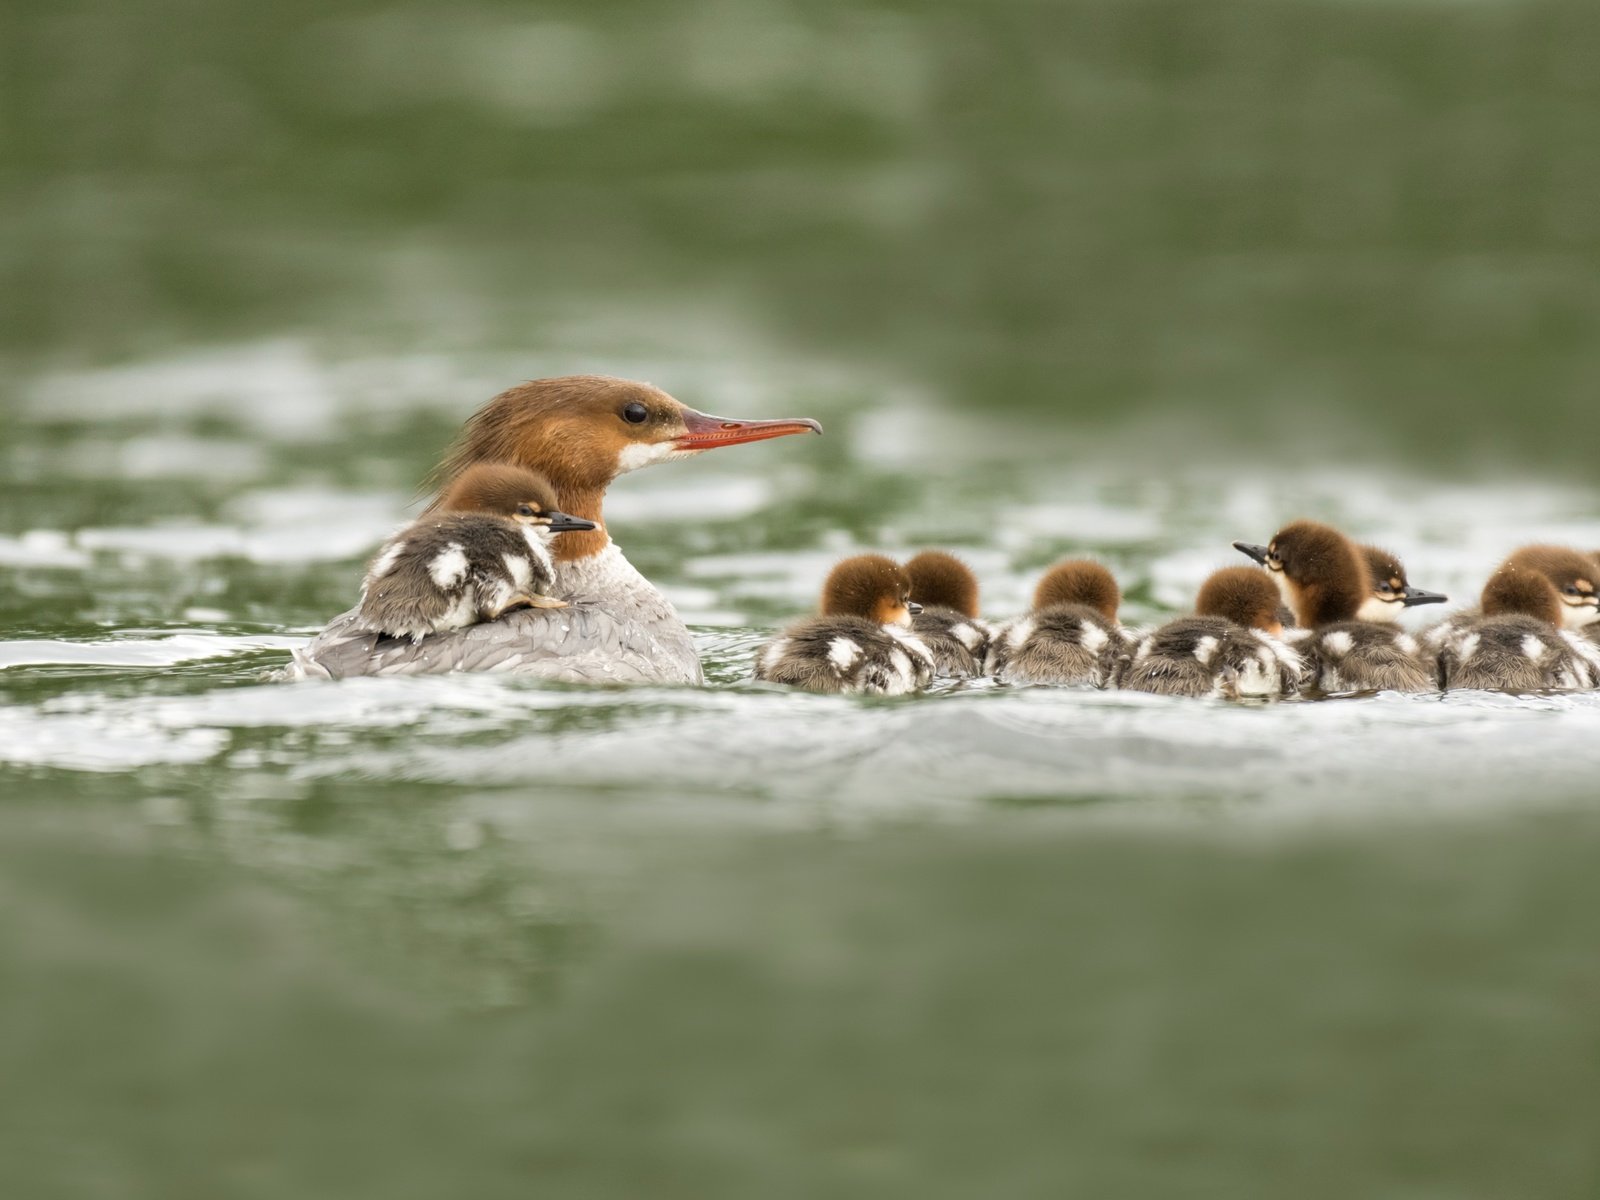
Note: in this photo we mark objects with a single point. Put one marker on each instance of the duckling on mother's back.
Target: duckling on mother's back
(948, 624)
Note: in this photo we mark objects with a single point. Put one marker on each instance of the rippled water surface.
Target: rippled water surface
(342, 869)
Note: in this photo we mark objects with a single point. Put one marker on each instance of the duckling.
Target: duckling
(862, 641)
(1392, 592)
(483, 551)
(1327, 582)
(1231, 649)
(1517, 643)
(1574, 575)
(948, 623)
(1070, 637)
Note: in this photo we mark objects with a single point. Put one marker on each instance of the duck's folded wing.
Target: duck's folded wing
(582, 643)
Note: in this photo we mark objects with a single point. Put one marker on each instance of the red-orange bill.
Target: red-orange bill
(705, 432)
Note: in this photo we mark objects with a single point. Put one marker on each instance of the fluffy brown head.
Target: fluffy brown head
(1244, 596)
(1326, 578)
(871, 586)
(943, 580)
(1385, 570)
(1573, 576)
(499, 488)
(1520, 591)
(582, 431)
(1079, 581)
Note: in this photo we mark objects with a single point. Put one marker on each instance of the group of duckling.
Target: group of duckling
(1318, 615)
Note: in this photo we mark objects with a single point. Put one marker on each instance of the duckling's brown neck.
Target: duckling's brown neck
(585, 502)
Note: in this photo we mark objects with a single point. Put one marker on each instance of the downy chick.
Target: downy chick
(1070, 637)
(861, 642)
(1523, 638)
(948, 624)
(1231, 649)
(484, 549)
(1328, 581)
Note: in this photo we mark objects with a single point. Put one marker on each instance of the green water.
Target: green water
(1133, 279)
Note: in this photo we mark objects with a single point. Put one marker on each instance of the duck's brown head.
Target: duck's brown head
(1317, 569)
(1574, 576)
(1244, 596)
(944, 581)
(1523, 592)
(1391, 589)
(506, 491)
(1079, 581)
(871, 586)
(582, 431)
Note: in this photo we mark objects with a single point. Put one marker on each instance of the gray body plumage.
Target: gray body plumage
(1363, 656)
(1069, 644)
(617, 628)
(450, 571)
(958, 643)
(1517, 653)
(846, 654)
(1211, 656)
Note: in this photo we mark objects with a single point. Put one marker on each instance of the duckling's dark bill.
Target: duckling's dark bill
(561, 522)
(705, 432)
(1259, 553)
(1411, 597)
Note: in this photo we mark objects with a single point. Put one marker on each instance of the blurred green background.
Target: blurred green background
(1273, 221)
(311, 953)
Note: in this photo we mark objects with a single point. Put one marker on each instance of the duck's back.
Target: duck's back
(957, 642)
(1211, 656)
(617, 628)
(1062, 644)
(846, 654)
(1517, 653)
(1359, 656)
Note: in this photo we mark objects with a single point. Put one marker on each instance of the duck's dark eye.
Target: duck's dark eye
(524, 510)
(1571, 589)
(635, 413)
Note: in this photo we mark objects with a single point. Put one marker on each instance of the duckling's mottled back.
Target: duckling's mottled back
(1071, 637)
(948, 623)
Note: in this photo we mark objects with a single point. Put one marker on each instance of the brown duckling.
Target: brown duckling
(1232, 647)
(861, 642)
(483, 550)
(1327, 582)
(1392, 592)
(1523, 639)
(948, 624)
(1071, 635)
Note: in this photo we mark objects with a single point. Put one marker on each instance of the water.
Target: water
(1131, 279)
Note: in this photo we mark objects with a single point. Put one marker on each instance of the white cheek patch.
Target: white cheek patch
(1576, 616)
(1285, 588)
(449, 567)
(1378, 610)
(844, 653)
(1093, 638)
(1205, 650)
(644, 454)
(1339, 643)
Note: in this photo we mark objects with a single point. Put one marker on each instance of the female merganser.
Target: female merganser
(861, 642)
(948, 624)
(485, 551)
(1327, 583)
(580, 432)
(1517, 642)
(1070, 637)
(1230, 649)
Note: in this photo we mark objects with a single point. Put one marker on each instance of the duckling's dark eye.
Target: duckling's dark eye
(635, 413)
(1571, 589)
(524, 510)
